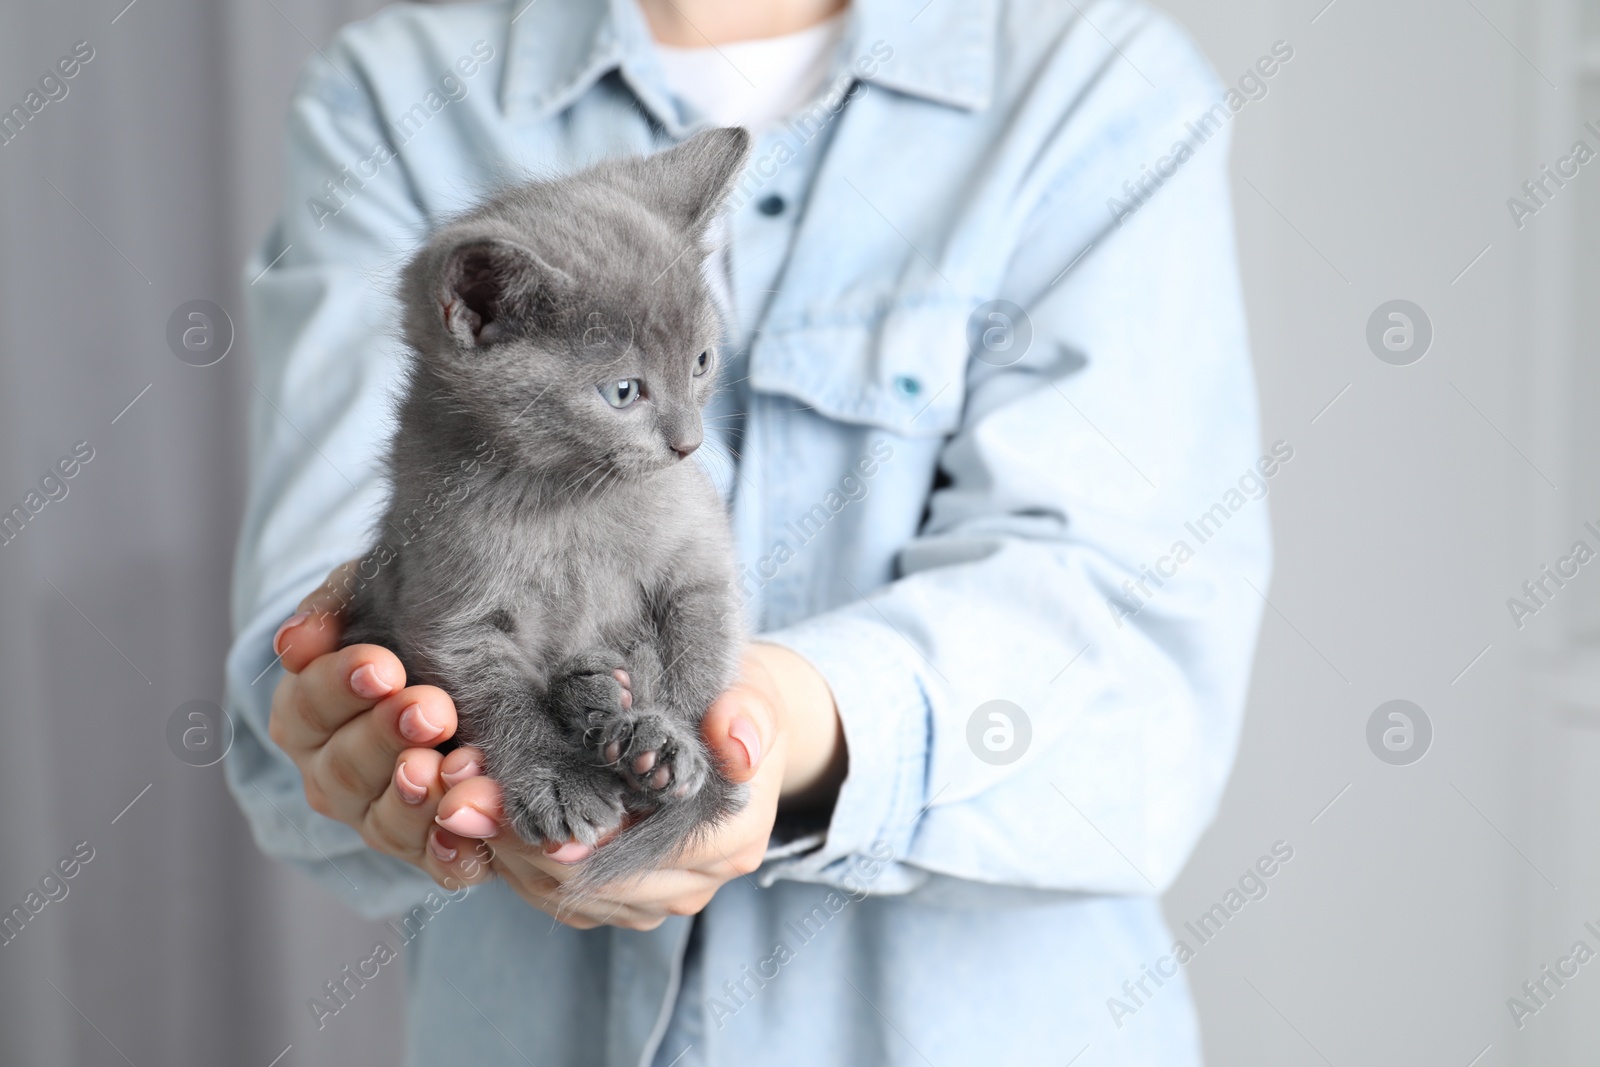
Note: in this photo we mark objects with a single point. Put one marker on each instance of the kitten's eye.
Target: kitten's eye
(621, 393)
(702, 363)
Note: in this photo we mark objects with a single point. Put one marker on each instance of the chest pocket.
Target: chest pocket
(900, 366)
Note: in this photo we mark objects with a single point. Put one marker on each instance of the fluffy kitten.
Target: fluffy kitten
(549, 557)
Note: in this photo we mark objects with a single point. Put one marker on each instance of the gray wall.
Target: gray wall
(1376, 167)
(177, 943)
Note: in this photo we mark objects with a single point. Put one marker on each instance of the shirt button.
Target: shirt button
(907, 386)
(771, 205)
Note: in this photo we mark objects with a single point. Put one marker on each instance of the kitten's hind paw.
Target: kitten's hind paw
(579, 803)
(659, 757)
(606, 706)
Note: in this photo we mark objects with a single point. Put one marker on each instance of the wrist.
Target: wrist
(816, 755)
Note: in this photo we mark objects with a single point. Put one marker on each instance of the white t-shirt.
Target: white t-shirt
(754, 83)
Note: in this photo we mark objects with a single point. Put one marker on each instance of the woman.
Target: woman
(989, 360)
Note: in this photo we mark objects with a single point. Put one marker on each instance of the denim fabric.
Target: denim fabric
(1065, 517)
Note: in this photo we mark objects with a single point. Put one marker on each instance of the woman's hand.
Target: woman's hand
(363, 741)
(776, 729)
(362, 738)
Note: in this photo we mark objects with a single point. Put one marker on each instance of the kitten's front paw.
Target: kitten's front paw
(589, 691)
(550, 805)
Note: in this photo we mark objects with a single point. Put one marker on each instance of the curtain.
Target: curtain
(132, 187)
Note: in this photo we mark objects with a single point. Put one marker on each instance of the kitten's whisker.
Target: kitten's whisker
(569, 484)
(587, 474)
(598, 483)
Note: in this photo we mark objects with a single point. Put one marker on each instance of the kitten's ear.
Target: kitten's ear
(489, 285)
(689, 182)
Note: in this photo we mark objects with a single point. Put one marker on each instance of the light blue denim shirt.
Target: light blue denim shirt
(940, 508)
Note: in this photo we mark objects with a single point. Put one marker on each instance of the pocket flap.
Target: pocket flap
(902, 367)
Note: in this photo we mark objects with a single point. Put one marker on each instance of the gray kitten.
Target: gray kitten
(548, 558)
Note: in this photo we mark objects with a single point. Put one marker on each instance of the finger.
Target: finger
(567, 853)
(472, 808)
(334, 689)
(461, 764)
(397, 822)
(470, 861)
(670, 892)
(305, 636)
(513, 862)
(545, 894)
(357, 763)
(456, 861)
(333, 595)
(738, 728)
(317, 623)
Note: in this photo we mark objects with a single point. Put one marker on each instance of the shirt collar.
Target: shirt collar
(942, 50)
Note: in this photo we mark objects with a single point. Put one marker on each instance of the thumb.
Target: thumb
(317, 626)
(739, 728)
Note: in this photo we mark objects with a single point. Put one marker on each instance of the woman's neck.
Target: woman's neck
(698, 23)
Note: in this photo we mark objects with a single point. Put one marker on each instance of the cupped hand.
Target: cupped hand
(362, 739)
(754, 731)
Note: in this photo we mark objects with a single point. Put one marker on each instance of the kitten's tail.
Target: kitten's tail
(658, 838)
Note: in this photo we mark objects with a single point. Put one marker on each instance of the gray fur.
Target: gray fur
(538, 538)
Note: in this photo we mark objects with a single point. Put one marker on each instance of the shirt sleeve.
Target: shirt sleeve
(326, 365)
(1094, 554)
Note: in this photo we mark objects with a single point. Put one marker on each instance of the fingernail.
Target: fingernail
(744, 732)
(409, 791)
(441, 852)
(365, 681)
(471, 770)
(468, 822)
(415, 725)
(567, 851)
(288, 624)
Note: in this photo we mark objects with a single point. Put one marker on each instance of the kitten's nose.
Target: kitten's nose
(685, 449)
